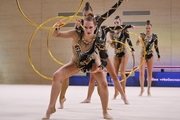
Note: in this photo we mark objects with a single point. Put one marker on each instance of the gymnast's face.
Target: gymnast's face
(148, 29)
(85, 13)
(89, 28)
(117, 22)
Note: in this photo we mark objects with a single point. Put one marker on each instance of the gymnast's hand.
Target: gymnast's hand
(159, 60)
(78, 23)
(134, 27)
(133, 54)
(109, 41)
(59, 23)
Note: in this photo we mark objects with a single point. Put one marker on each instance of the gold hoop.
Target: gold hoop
(43, 27)
(29, 45)
(133, 70)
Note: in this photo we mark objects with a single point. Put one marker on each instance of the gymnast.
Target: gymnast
(149, 39)
(85, 58)
(121, 55)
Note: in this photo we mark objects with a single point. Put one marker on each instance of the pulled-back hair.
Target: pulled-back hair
(117, 17)
(148, 23)
(90, 17)
(87, 7)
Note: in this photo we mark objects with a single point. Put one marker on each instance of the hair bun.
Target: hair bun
(117, 17)
(87, 4)
(148, 22)
(87, 7)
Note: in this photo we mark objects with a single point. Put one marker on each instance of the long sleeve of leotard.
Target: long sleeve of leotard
(104, 16)
(127, 37)
(156, 45)
(107, 29)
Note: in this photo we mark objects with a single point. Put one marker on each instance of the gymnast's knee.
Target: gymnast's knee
(113, 75)
(57, 77)
(115, 78)
(104, 85)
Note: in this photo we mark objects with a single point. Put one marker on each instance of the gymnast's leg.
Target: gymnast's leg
(90, 89)
(124, 61)
(116, 66)
(103, 92)
(61, 74)
(117, 85)
(150, 63)
(62, 98)
(141, 76)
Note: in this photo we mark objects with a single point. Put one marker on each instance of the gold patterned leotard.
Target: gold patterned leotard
(121, 36)
(84, 59)
(148, 42)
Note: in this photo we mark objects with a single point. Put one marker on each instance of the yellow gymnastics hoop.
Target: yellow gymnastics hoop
(48, 28)
(113, 41)
(30, 57)
(143, 47)
(50, 53)
(63, 64)
(133, 70)
(29, 53)
(29, 45)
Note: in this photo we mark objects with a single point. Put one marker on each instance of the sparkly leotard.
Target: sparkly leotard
(148, 42)
(83, 59)
(121, 36)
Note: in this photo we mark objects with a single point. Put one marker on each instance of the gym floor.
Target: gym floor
(29, 102)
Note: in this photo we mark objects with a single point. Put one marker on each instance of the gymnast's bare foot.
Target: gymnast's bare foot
(86, 101)
(125, 100)
(141, 93)
(115, 95)
(48, 113)
(62, 103)
(149, 94)
(107, 116)
(109, 108)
